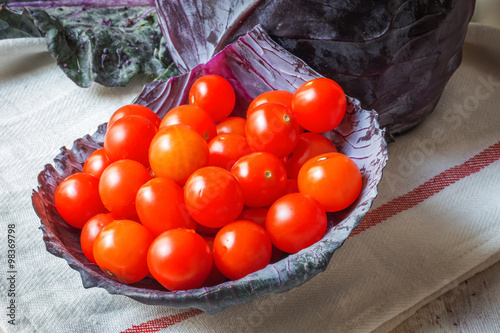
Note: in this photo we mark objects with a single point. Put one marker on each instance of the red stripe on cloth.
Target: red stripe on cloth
(429, 188)
(160, 323)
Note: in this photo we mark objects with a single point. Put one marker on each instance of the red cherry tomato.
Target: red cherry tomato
(193, 117)
(308, 146)
(291, 186)
(160, 206)
(213, 197)
(77, 199)
(119, 185)
(96, 163)
(180, 259)
(276, 96)
(129, 138)
(213, 94)
(121, 248)
(176, 152)
(201, 229)
(333, 179)
(226, 149)
(231, 125)
(135, 110)
(272, 128)
(295, 221)
(241, 248)
(90, 231)
(319, 105)
(262, 178)
(215, 277)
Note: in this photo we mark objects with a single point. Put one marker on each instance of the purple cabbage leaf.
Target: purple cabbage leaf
(394, 56)
(107, 42)
(253, 64)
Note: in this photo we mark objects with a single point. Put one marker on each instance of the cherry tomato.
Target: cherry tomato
(96, 163)
(308, 146)
(180, 259)
(121, 249)
(226, 149)
(333, 179)
(129, 138)
(90, 231)
(135, 110)
(176, 152)
(272, 128)
(213, 94)
(201, 229)
(193, 117)
(160, 206)
(276, 96)
(231, 125)
(262, 178)
(254, 214)
(77, 199)
(119, 185)
(241, 248)
(213, 197)
(295, 221)
(319, 105)
(215, 277)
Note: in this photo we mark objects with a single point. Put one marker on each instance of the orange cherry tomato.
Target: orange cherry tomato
(231, 125)
(121, 249)
(276, 96)
(308, 146)
(176, 152)
(333, 179)
(193, 117)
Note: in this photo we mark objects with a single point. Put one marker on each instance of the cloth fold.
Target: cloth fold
(435, 222)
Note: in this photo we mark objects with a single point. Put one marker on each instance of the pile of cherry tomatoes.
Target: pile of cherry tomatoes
(199, 197)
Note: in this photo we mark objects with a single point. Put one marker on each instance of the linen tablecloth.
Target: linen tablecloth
(435, 223)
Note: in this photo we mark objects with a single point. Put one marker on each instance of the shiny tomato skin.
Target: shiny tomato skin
(215, 277)
(90, 231)
(226, 149)
(96, 163)
(295, 221)
(129, 138)
(160, 206)
(119, 185)
(77, 199)
(135, 110)
(333, 179)
(254, 214)
(272, 128)
(213, 196)
(319, 105)
(241, 248)
(276, 96)
(308, 146)
(231, 125)
(213, 94)
(262, 178)
(176, 152)
(193, 117)
(180, 259)
(121, 249)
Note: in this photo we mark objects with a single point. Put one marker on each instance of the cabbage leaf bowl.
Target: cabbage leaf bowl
(253, 64)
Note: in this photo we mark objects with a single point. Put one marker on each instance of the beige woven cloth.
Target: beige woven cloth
(435, 223)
